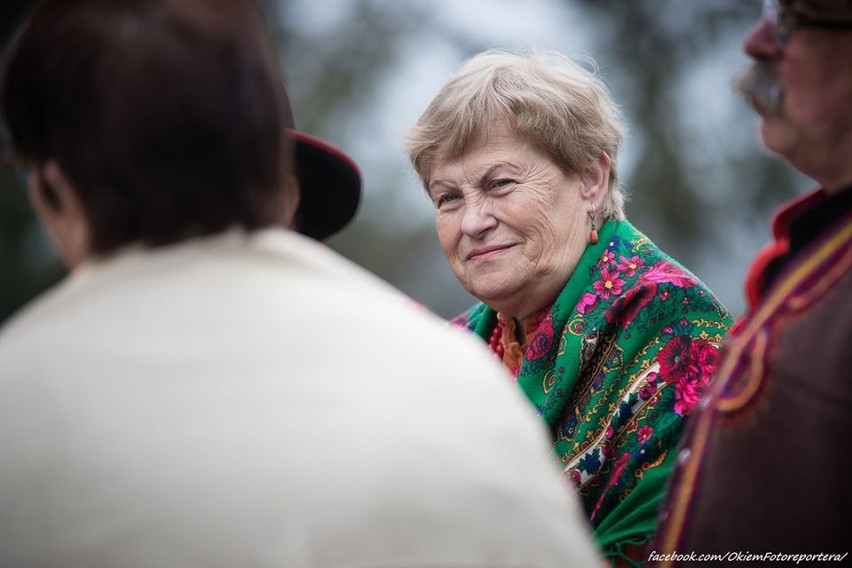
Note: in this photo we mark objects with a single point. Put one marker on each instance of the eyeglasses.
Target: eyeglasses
(784, 22)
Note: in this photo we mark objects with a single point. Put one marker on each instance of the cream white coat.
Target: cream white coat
(256, 400)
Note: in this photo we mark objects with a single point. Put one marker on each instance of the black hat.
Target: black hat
(330, 184)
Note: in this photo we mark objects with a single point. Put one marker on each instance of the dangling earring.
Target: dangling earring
(593, 236)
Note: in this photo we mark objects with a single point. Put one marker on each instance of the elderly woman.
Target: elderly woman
(611, 340)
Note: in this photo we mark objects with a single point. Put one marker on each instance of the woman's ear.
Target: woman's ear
(596, 180)
(60, 211)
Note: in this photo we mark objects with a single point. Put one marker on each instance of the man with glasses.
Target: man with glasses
(762, 473)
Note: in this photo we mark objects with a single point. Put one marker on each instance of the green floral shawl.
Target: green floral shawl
(614, 369)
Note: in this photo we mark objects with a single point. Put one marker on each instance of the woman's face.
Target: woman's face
(512, 223)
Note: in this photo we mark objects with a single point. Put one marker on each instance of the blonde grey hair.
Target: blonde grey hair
(564, 109)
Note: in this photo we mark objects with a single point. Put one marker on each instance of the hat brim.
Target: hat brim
(330, 184)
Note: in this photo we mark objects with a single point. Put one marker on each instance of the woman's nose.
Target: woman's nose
(477, 218)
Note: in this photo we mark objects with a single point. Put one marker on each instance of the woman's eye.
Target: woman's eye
(445, 199)
(500, 183)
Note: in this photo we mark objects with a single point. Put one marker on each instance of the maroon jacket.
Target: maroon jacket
(764, 466)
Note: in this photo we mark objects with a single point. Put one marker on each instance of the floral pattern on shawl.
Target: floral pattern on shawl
(614, 369)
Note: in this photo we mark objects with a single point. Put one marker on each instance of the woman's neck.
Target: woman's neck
(523, 327)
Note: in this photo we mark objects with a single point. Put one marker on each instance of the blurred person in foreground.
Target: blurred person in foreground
(763, 467)
(208, 388)
(610, 339)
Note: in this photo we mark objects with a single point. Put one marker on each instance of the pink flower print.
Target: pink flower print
(629, 265)
(587, 303)
(628, 307)
(676, 360)
(575, 477)
(610, 283)
(542, 340)
(687, 394)
(666, 272)
(608, 257)
(610, 432)
(688, 364)
(644, 434)
(647, 391)
(665, 294)
(706, 357)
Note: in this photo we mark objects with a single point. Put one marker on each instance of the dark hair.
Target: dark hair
(168, 116)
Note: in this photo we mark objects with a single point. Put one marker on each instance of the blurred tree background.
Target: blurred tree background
(361, 71)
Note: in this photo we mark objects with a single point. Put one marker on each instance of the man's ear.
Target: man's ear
(61, 212)
(596, 181)
(291, 201)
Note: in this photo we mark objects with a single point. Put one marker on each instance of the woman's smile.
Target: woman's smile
(487, 253)
(510, 220)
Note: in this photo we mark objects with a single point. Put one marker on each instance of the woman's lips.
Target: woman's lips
(485, 253)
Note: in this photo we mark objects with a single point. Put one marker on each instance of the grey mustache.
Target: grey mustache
(759, 84)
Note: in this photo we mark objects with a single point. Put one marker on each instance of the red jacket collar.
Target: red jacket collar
(792, 209)
(781, 231)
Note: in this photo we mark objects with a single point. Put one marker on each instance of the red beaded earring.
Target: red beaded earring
(593, 236)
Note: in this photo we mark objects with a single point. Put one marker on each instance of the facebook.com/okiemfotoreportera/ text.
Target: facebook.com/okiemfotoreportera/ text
(739, 556)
